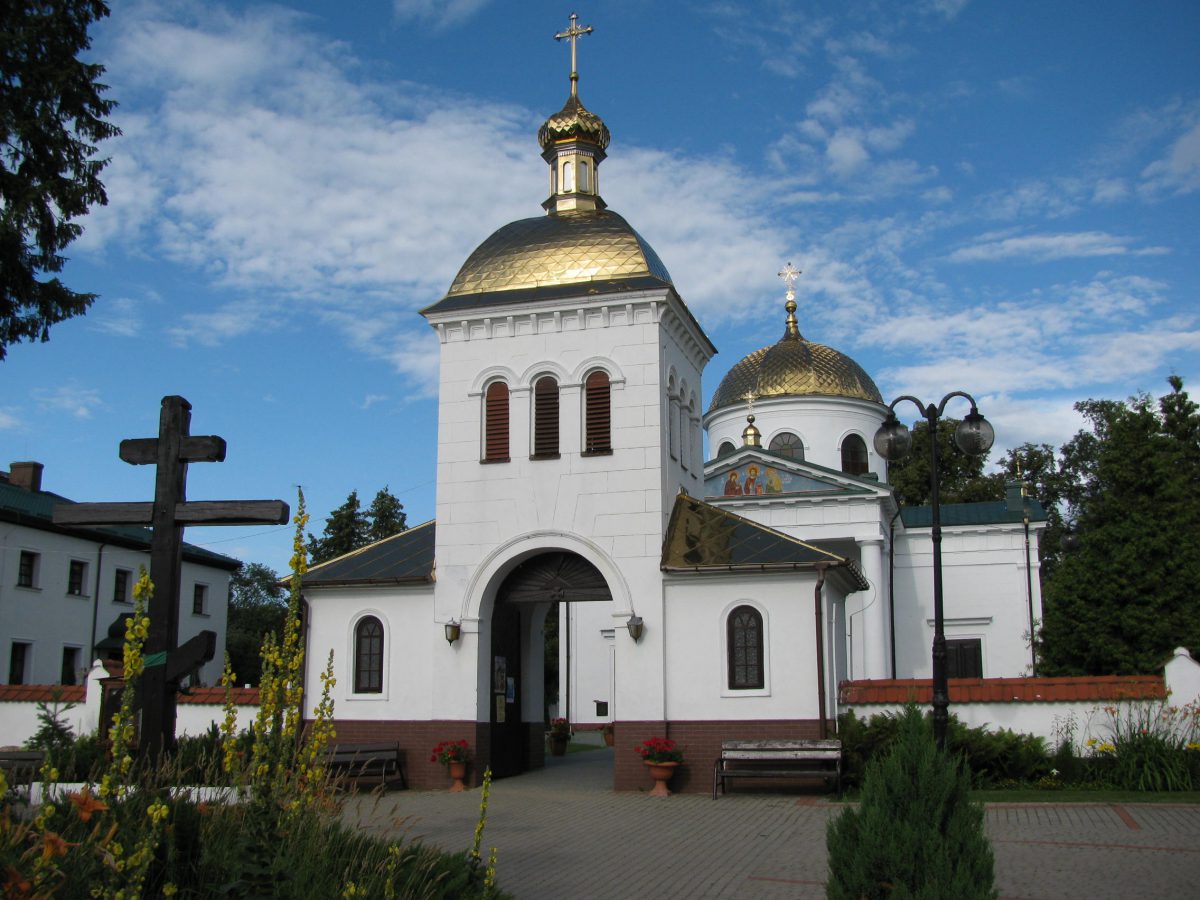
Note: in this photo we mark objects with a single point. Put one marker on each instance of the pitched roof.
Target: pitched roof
(990, 512)
(404, 558)
(35, 509)
(702, 537)
(1007, 690)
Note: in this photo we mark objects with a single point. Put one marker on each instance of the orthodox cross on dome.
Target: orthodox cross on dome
(572, 34)
(749, 398)
(789, 275)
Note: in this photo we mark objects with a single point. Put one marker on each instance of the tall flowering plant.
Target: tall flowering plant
(449, 752)
(659, 750)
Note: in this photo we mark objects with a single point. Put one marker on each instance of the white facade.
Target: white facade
(61, 589)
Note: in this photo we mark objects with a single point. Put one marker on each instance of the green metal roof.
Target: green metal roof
(35, 509)
(991, 512)
(403, 558)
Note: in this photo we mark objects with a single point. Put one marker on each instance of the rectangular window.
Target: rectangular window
(27, 571)
(964, 658)
(121, 586)
(70, 665)
(545, 418)
(18, 659)
(200, 600)
(76, 577)
(495, 423)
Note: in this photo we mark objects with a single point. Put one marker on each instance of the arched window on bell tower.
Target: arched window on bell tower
(545, 418)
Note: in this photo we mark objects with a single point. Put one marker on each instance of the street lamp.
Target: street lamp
(973, 436)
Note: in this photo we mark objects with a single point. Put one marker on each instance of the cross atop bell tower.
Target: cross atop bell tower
(572, 34)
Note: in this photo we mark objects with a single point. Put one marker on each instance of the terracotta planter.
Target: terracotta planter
(661, 772)
(458, 771)
(558, 744)
(608, 738)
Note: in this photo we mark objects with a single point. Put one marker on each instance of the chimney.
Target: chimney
(26, 475)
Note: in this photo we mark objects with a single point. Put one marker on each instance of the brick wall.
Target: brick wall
(417, 740)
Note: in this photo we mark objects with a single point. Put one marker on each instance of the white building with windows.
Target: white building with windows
(700, 600)
(64, 590)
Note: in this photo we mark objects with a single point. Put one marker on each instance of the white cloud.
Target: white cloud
(371, 399)
(1178, 172)
(438, 13)
(119, 316)
(73, 400)
(10, 419)
(1046, 247)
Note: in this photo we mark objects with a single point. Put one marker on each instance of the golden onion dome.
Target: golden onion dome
(573, 122)
(574, 247)
(794, 367)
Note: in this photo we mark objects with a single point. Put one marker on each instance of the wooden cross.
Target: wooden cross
(572, 34)
(168, 514)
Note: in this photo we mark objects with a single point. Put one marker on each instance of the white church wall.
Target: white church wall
(820, 422)
(984, 594)
(410, 638)
(696, 648)
(587, 661)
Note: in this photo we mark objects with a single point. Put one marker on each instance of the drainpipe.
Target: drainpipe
(820, 625)
(892, 585)
(96, 605)
(1029, 598)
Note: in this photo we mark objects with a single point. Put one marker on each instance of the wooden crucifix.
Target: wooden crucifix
(168, 514)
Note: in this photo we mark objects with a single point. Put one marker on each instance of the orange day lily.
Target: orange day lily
(86, 804)
(53, 845)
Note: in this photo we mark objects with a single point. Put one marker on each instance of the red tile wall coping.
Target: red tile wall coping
(42, 693)
(1007, 690)
(215, 696)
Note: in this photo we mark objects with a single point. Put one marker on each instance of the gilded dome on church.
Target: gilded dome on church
(572, 122)
(573, 247)
(794, 367)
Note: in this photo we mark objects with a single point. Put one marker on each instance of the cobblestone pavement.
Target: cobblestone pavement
(562, 832)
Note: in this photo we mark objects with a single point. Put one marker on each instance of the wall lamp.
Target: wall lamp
(635, 628)
(453, 631)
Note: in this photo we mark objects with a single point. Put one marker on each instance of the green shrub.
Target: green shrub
(915, 833)
(1152, 746)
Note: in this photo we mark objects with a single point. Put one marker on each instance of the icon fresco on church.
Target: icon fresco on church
(759, 479)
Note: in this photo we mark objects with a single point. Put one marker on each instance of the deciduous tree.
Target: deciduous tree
(961, 476)
(257, 605)
(52, 110)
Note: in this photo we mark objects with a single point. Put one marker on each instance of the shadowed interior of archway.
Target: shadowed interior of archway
(553, 578)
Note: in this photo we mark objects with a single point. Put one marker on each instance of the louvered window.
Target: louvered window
(745, 635)
(368, 656)
(597, 414)
(545, 418)
(495, 425)
(854, 455)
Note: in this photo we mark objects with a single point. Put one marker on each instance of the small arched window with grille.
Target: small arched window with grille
(545, 418)
(597, 413)
(854, 455)
(787, 444)
(495, 423)
(726, 448)
(368, 656)
(744, 630)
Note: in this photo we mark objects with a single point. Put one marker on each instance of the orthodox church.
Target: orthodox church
(698, 600)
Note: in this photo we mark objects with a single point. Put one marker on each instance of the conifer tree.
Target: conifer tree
(387, 516)
(346, 529)
(915, 833)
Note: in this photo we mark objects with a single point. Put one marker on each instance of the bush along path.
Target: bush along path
(915, 832)
(124, 835)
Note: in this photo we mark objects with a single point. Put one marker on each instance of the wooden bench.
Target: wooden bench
(360, 760)
(21, 766)
(778, 759)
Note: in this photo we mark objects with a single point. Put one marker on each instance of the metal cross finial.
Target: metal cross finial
(789, 275)
(749, 398)
(572, 34)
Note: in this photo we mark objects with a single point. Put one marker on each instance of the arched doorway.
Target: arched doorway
(524, 596)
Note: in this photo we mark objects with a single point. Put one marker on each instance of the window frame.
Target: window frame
(361, 675)
(597, 414)
(122, 578)
(72, 652)
(856, 440)
(759, 685)
(497, 422)
(200, 599)
(28, 569)
(546, 438)
(964, 652)
(26, 658)
(795, 444)
(77, 570)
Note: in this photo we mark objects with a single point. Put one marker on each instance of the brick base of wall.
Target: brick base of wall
(700, 741)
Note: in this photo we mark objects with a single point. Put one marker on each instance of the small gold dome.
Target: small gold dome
(573, 122)
(794, 367)
(564, 248)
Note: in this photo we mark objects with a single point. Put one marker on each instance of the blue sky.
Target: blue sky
(996, 197)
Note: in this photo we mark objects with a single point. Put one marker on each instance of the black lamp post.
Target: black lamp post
(974, 436)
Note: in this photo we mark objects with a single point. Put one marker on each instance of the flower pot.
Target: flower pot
(458, 771)
(608, 738)
(558, 744)
(661, 772)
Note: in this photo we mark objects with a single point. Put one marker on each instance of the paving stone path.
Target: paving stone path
(562, 832)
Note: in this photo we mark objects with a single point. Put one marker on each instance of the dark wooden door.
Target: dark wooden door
(509, 734)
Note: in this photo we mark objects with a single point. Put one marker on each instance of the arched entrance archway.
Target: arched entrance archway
(522, 599)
